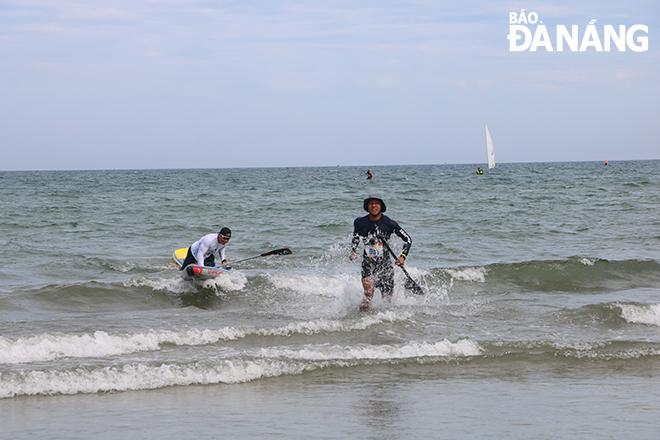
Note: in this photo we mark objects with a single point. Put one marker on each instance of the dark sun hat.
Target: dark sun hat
(378, 197)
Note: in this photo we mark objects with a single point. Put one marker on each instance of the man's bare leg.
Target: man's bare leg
(368, 285)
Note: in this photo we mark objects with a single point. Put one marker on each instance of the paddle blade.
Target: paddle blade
(284, 251)
(414, 288)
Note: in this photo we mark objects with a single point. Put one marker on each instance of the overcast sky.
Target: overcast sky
(133, 84)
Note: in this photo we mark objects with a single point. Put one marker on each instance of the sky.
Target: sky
(147, 84)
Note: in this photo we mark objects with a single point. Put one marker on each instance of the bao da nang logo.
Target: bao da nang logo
(520, 36)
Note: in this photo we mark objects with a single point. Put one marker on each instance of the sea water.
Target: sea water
(540, 319)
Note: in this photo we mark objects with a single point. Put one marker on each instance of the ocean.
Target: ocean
(540, 319)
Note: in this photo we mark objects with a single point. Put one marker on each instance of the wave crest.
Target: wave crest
(648, 314)
(244, 367)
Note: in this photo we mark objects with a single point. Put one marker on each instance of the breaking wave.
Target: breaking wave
(241, 367)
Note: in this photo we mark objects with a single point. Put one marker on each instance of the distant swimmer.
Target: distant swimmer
(369, 175)
(606, 162)
(479, 171)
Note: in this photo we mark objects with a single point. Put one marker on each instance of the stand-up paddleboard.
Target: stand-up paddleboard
(195, 271)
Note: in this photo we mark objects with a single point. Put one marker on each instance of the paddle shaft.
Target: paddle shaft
(415, 287)
(285, 251)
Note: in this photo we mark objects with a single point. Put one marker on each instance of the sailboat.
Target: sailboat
(490, 149)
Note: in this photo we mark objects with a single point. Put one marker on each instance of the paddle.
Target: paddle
(284, 251)
(410, 284)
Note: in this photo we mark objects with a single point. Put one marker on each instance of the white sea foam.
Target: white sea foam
(329, 325)
(229, 282)
(331, 286)
(143, 377)
(174, 285)
(48, 347)
(263, 363)
(641, 314)
(593, 353)
(473, 274)
(588, 261)
(444, 348)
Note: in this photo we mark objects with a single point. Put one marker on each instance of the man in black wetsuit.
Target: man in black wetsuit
(377, 269)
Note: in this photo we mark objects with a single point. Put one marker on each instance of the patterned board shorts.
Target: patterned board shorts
(382, 271)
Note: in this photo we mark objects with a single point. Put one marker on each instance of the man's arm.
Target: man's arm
(355, 242)
(407, 241)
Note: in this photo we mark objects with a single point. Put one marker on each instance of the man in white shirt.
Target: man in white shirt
(202, 251)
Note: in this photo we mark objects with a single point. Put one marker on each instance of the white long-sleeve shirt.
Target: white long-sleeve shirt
(205, 246)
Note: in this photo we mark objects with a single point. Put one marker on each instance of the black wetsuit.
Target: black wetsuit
(376, 258)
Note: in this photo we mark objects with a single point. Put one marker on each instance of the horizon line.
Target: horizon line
(321, 166)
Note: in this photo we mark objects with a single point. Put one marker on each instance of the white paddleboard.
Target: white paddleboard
(195, 271)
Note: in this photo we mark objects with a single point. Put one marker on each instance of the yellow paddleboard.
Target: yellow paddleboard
(180, 255)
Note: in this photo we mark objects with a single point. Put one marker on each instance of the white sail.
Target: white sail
(490, 149)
